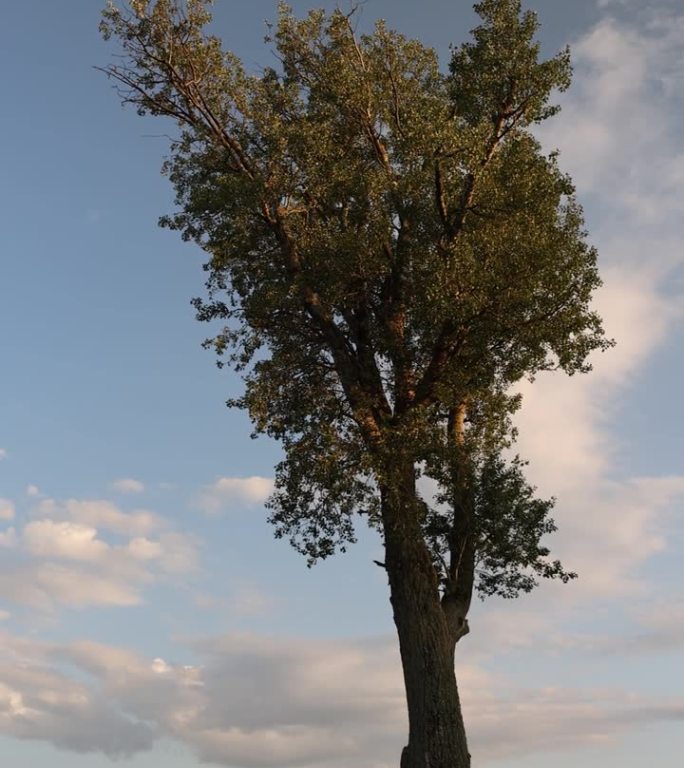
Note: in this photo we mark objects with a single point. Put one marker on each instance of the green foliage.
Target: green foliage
(509, 523)
(387, 244)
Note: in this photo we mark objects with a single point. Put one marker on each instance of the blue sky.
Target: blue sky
(146, 613)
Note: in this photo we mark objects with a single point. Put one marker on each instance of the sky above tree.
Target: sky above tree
(146, 611)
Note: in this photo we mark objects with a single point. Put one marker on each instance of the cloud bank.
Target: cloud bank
(259, 702)
(80, 554)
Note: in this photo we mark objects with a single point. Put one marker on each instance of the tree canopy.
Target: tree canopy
(390, 251)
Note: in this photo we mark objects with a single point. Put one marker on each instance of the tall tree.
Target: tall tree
(389, 251)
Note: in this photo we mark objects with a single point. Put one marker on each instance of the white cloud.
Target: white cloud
(255, 701)
(160, 667)
(229, 492)
(179, 553)
(44, 586)
(565, 425)
(619, 137)
(8, 538)
(144, 549)
(6, 509)
(637, 5)
(651, 630)
(3, 454)
(519, 722)
(660, 630)
(102, 515)
(70, 586)
(64, 540)
(32, 490)
(128, 485)
(610, 532)
(74, 556)
(79, 574)
(619, 130)
(39, 702)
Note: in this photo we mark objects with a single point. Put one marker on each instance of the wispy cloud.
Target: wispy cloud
(233, 492)
(47, 585)
(620, 137)
(100, 513)
(128, 485)
(619, 133)
(8, 538)
(7, 510)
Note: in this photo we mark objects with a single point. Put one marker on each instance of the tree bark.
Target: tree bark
(436, 731)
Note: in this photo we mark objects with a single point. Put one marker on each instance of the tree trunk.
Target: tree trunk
(436, 732)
